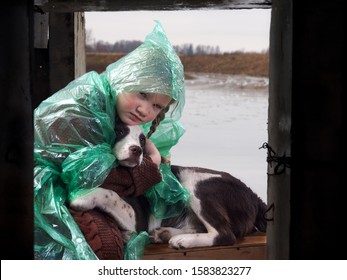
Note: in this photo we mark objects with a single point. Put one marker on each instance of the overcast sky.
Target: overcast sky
(231, 30)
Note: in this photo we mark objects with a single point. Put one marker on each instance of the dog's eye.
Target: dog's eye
(142, 140)
(119, 132)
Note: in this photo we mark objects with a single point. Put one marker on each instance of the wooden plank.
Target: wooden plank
(252, 247)
(61, 50)
(111, 5)
(16, 141)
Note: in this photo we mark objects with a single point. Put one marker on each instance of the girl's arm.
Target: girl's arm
(134, 181)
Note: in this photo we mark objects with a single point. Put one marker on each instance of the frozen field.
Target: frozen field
(226, 122)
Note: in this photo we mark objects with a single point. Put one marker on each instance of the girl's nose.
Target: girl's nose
(140, 111)
(143, 110)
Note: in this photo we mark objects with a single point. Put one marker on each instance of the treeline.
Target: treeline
(117, 47)
(126, 46)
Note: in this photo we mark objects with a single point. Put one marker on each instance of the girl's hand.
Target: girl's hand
(152, 151)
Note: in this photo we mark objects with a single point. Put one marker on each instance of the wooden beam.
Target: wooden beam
(124, 5)
(16, 141)
(252, 247)
(66, 49)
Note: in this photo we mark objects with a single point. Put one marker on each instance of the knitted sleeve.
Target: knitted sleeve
(134, 181)
(100, 230)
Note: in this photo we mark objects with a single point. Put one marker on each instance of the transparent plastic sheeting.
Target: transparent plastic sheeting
(74, 135)
(136, 245)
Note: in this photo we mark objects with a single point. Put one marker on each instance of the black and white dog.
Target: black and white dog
(221, 208)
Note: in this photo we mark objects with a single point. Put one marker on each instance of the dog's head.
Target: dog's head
(129, 145)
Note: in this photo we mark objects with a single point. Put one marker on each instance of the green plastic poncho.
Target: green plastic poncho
(74, 134)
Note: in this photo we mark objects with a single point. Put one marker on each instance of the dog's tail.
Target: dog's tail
(260, 221)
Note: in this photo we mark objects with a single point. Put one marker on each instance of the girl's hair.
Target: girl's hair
(159, 118)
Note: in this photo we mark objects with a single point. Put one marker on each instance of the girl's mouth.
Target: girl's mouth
(135, 117)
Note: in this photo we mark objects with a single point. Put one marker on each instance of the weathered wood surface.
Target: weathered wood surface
(252, 247)
(111, 5)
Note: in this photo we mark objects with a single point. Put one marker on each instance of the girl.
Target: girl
(74, 133)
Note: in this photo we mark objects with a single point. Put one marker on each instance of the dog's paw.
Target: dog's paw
(160, 235)
(182, 241)
(126, 235)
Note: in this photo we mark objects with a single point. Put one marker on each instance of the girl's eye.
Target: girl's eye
(157, 106)
(143, 94)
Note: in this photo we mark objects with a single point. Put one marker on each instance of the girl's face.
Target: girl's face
(140, 108)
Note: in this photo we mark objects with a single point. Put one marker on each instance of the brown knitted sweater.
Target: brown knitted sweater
(100, 230)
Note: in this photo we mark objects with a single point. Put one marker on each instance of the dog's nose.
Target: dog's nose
(135, 150)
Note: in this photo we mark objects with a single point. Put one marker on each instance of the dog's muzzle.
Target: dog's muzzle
(135, 156)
